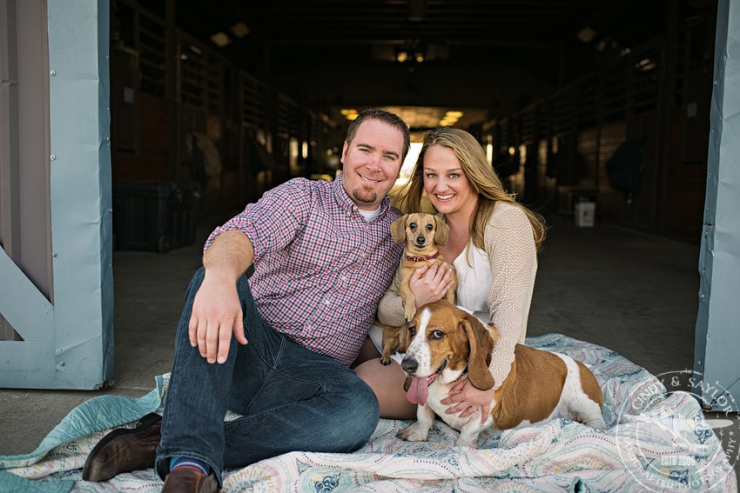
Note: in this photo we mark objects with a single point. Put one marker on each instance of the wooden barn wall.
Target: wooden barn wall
(687, 133)
(150, 162)
(166, 87)
(641, 210)
(605, 140)
(658, 95)
(545, 190)
(685, 184)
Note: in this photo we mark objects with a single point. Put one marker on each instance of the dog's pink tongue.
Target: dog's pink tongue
(418, 391)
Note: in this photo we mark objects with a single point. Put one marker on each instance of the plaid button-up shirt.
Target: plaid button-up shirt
(319, 268)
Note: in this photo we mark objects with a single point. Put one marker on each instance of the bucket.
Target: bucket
(585, 214)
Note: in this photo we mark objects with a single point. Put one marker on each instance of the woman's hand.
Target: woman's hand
(430, 283)
(466, 398)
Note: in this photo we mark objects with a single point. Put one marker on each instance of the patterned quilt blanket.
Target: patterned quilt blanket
(657, 440)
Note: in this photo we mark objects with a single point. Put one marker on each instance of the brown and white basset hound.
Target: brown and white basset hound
(445, 343)
(422, 233)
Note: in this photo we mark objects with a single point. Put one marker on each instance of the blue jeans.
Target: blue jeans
(290, 398)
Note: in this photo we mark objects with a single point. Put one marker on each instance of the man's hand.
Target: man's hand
(217, 311)
(217, 314)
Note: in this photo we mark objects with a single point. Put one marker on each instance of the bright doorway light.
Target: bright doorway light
(408, 164)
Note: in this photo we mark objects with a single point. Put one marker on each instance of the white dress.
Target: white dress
(472, 273)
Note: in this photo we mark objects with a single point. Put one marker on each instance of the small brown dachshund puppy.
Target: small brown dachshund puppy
(422, 233)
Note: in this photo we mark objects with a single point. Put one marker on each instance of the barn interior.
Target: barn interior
(551, 89)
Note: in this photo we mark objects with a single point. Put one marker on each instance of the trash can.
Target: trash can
(585, 214)
(153, 216)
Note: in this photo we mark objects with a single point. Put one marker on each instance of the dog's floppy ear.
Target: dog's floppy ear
(441, 231)
(398, 230)
(481, 346)
(404, 339)
(402, 345)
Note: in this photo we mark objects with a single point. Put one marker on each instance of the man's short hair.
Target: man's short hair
(385, 116)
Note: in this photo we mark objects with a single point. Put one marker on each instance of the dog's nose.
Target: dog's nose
(409, 365)
(420, 240)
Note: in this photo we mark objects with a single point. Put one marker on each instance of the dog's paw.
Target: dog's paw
(414, 433)
(467, 442)
(385, 360)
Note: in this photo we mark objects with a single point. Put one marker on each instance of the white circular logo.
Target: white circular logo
(667, 444)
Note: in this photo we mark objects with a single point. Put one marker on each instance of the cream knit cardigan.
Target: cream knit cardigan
(511, 252)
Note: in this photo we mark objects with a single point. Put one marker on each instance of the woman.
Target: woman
(493, 244)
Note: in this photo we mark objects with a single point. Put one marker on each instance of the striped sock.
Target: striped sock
(182, 462)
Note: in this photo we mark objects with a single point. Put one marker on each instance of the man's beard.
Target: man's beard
(362, 196)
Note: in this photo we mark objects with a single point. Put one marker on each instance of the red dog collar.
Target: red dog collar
(421, 259)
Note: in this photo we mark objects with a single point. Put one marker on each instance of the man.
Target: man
(276, 348)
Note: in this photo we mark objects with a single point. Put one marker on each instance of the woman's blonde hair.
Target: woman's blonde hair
(483, 179)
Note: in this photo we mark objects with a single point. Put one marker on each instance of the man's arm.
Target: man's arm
(230, 251)
(217, 310)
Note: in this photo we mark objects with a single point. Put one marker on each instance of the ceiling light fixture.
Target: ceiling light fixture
(586, 34)
(349, 113)
(240, 29)
(450, 118)
(221, 39)
(645, 65)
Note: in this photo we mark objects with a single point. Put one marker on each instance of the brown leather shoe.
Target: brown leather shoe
(186, 480)
(124, 450)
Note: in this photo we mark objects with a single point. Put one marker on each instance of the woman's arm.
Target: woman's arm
(512, 255)
(390, 308)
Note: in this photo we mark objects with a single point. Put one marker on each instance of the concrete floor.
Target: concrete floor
(634, 293)
(631, 292)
